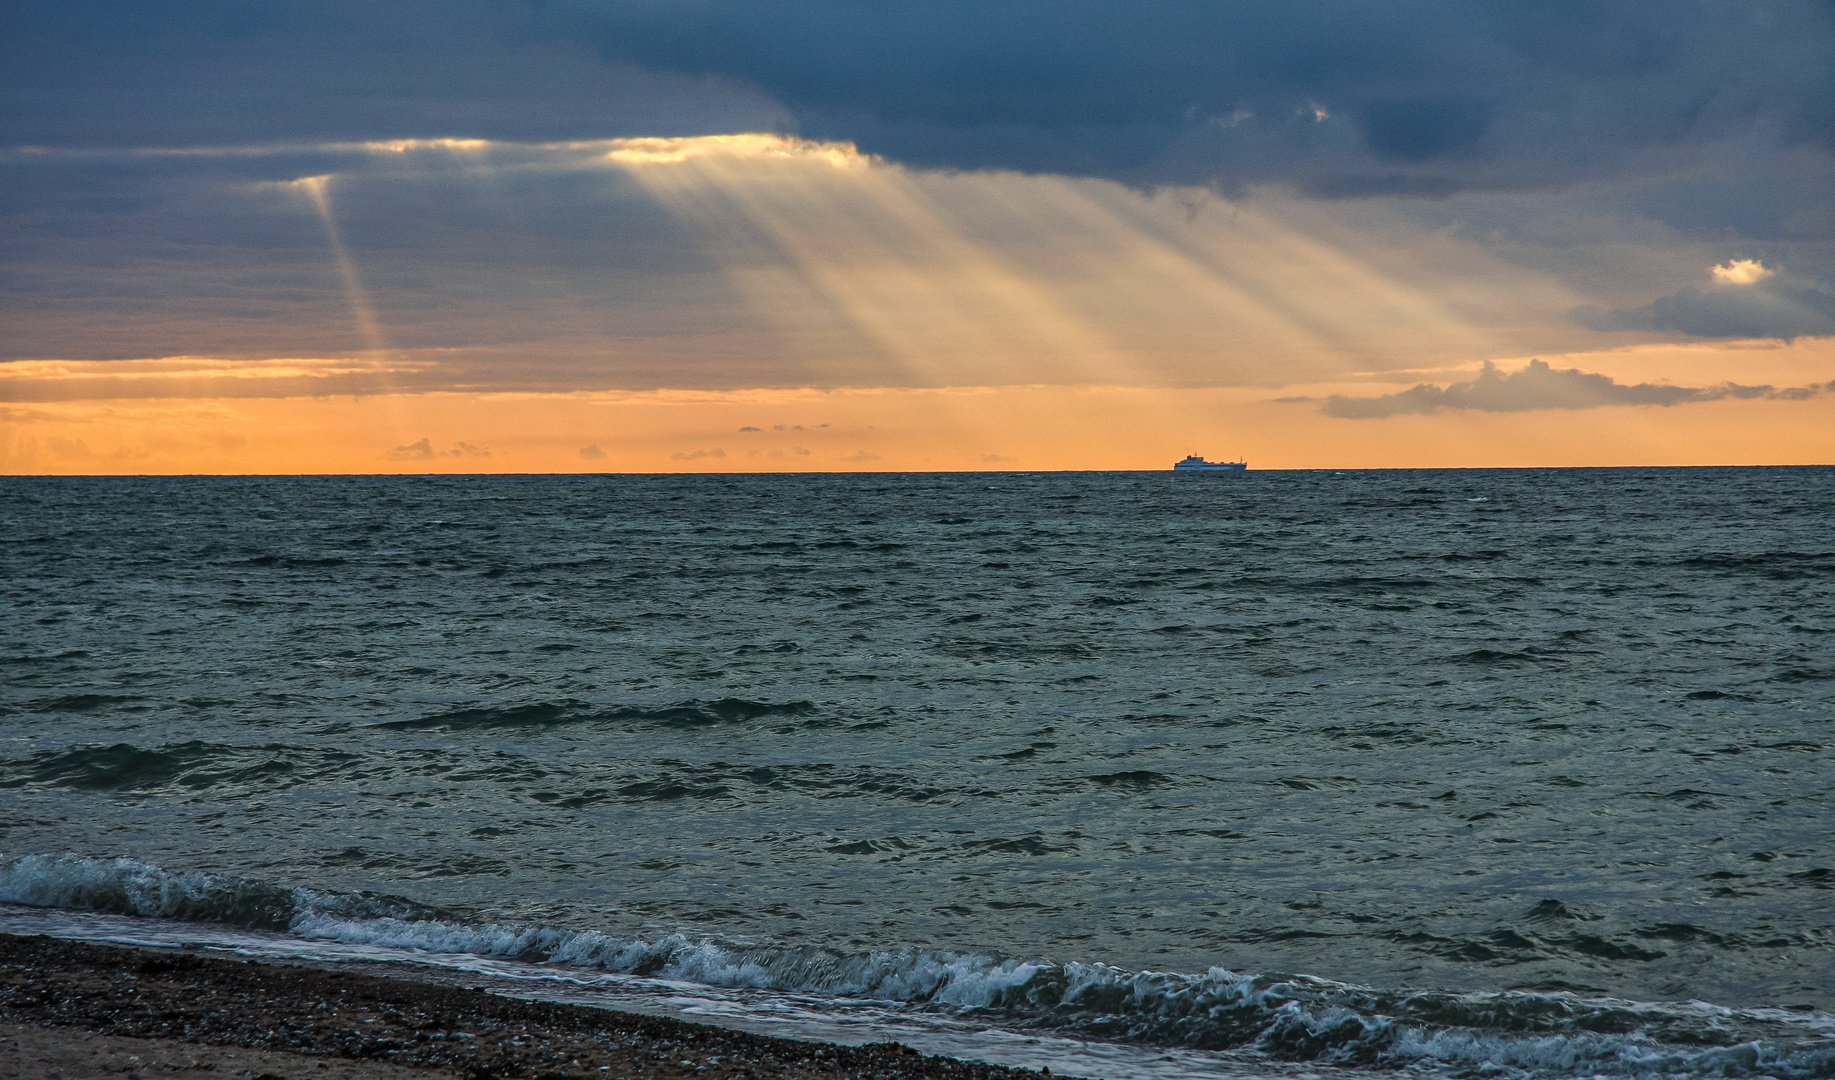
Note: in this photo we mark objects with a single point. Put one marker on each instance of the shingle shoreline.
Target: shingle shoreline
(163, 994)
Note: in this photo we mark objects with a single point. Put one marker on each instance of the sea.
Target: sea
(1475, 773)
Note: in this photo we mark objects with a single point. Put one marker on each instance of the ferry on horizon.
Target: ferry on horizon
(1194, 462)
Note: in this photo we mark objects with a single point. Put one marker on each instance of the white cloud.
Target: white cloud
(1741, 272)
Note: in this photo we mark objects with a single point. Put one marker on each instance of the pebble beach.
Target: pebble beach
(70, 1009)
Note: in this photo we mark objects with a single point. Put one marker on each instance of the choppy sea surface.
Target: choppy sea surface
(1505, 773)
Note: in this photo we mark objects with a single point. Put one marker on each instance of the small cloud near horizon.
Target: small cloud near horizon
(422, 450)
(414, 451)
(592, 453)
(860, 456)
(1538, 386)
(696, 455)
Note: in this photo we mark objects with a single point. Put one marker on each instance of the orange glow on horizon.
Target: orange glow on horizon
(975, 429)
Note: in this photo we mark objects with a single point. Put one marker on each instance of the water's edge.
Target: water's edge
(984, 1007)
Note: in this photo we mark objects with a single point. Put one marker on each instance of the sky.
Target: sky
(713, 236)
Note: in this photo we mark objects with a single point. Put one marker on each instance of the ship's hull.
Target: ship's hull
(1212, 466)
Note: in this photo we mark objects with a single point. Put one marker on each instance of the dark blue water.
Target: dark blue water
(1490, 753)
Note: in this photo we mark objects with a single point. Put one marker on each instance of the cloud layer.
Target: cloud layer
(1412, 96)
(478, 195)
(1420, 96)
(1746, 300)
(716, 261)
(1538, 386)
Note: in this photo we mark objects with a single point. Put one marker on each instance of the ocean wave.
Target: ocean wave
(131, 887)
(194, 765)
(544, 714)
(1289, 1017)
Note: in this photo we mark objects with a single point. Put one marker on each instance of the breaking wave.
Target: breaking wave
(1288, 1017)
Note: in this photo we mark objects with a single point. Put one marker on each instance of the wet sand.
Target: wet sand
(70, 1009)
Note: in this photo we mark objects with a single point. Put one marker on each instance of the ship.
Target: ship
(1193, 462)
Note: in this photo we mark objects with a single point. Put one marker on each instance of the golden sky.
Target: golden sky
(865, 429)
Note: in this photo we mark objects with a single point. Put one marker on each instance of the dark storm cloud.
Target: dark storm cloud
(1774, 309)
(189, 72)
(1538, 386)
(1415, 96)
(1408, 97)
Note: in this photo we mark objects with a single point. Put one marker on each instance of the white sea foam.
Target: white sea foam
(1283, 1018)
